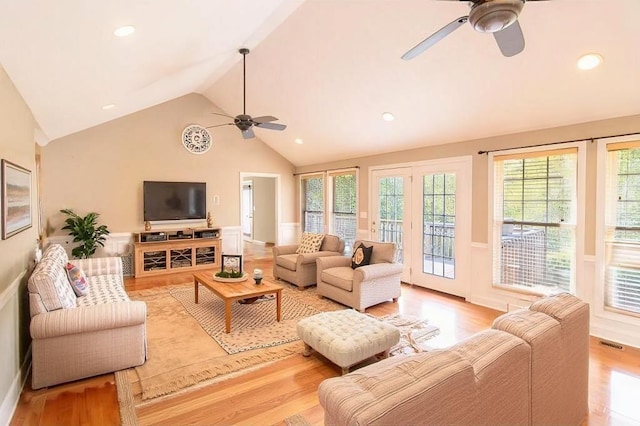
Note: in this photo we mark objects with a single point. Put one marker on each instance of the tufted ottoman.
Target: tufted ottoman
(347, 337)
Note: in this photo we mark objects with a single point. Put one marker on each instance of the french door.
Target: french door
(391, 222)
(426, 210)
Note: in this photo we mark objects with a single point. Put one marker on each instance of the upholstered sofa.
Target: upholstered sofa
(77, 337)
(300, 269)
(531, 368)
(363, 286)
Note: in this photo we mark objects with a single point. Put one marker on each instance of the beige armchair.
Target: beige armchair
(364, 286)
(300, 269)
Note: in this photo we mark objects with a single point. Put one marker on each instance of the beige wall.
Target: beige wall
(102, 169)
(614, 126)
(17, 145)
(264, 215)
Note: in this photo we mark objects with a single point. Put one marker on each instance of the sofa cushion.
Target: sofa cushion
(56, 253)
(103, 289)
(341, 277)
(77, 279)
(361, 256)
(382, 252)
(310, 243)
(287, 261)
(330, 243)
(50, 281)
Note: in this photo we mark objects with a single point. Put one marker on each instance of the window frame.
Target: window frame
(330, 206)
(577, 287)
(328, 181)
(303, 199)
(599, 297)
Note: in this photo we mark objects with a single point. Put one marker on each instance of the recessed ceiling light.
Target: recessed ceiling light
(299, 141)
(387, 116)
(589, 61)
(109, 106)
(124, 31)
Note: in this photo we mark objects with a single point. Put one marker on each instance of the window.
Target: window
(339, 216)
(343, 215)
(313, 203)
(622, 227)
(535, 220)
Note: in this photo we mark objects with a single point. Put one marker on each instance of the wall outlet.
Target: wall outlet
(216, 200)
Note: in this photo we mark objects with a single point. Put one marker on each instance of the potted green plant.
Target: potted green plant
(85, 230)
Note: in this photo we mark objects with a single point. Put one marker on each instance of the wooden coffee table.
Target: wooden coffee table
(230, 292)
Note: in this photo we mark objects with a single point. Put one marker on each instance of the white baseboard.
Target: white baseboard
(488, 302)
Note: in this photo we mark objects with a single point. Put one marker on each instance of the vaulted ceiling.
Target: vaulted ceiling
(326, 68)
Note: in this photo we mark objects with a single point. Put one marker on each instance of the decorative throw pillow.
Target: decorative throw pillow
(361, 256)
(310, 242)
(77, 279)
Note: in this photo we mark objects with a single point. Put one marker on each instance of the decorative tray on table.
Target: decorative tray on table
(244, 277)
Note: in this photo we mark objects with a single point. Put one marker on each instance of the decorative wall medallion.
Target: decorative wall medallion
(196, 139)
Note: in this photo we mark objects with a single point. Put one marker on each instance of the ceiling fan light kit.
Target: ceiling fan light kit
(493, 16)
(243, 121)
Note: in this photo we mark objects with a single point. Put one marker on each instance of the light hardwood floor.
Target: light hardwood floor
(288, 387)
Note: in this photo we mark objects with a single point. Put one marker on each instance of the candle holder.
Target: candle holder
(257, 276)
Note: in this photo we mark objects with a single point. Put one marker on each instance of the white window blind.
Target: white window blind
(622, 228)
(535, 220)
(343, 206)
(313, 203)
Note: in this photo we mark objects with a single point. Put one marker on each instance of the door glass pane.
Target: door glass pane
(391, 208)
(438, 218)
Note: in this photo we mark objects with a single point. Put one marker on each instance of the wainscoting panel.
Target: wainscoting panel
(14, 374)
(289, 233)
(117, 244)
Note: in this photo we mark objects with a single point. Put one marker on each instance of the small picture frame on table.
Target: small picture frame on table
(232, 263)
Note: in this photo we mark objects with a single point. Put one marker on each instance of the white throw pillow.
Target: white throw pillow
(310, 243)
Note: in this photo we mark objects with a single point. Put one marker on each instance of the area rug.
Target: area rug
(414, 334)
(186, 349)
(253, 326)
(181, 351)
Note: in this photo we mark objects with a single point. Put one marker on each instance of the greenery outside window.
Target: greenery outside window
(343, 206)
(313, 203)
(338, 215)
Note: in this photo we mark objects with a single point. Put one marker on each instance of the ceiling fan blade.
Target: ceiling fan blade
(272, 126)
(223, 115)
(248, 134)
(510, 40)
(434, 38)
(220, 125)
(264, 119)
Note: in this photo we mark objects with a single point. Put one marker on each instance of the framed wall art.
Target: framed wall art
(16, 199)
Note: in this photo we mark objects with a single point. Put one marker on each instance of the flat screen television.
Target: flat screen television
(174, 200)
